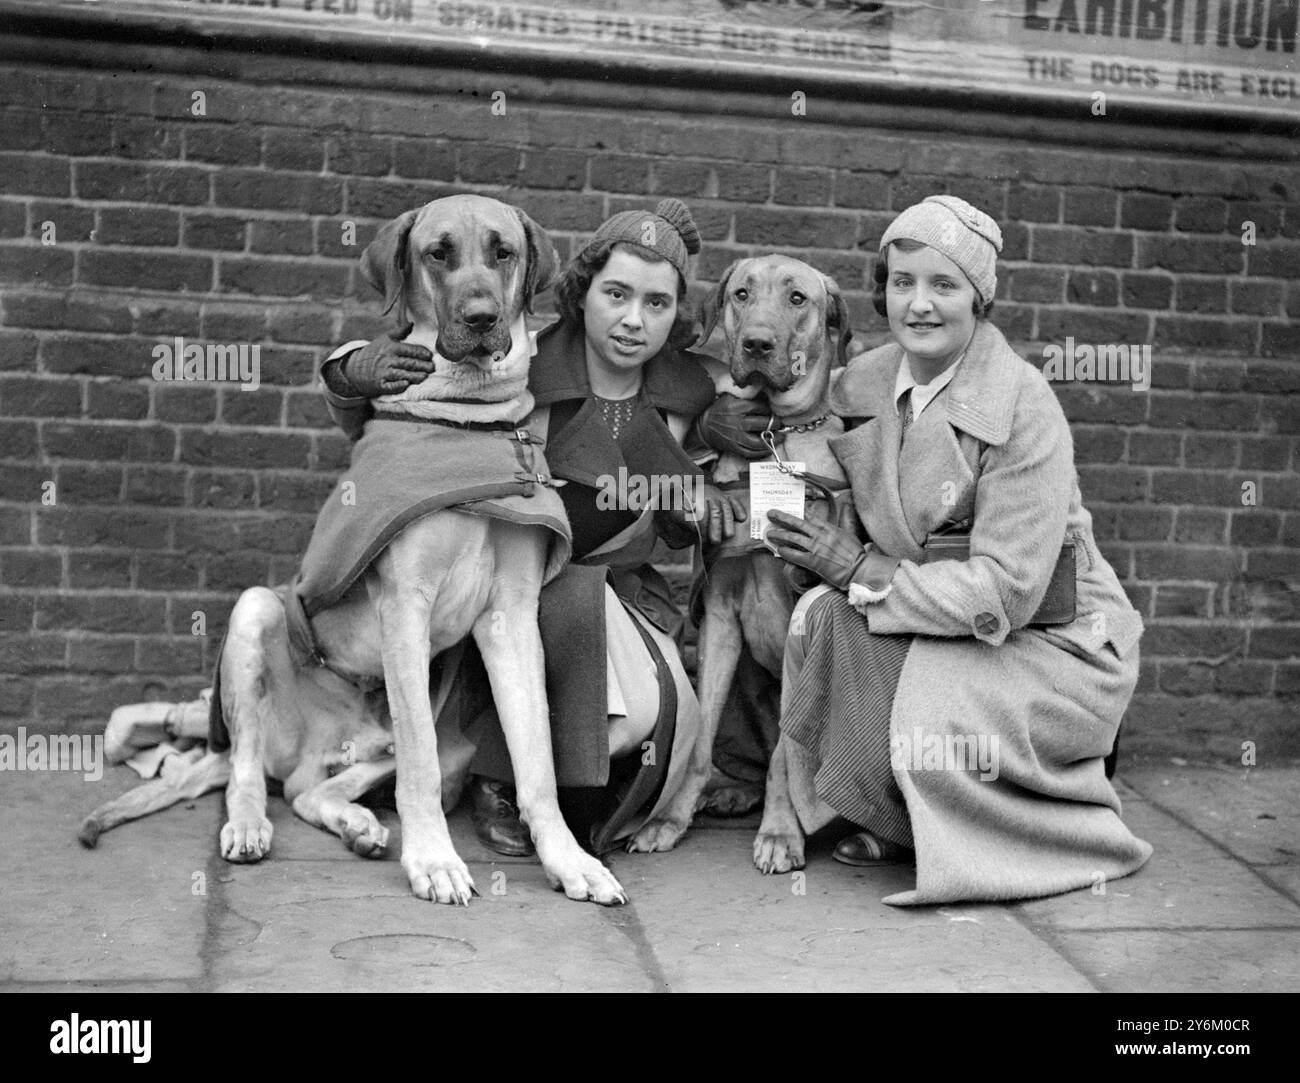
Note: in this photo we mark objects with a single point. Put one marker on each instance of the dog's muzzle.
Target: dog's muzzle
(463, 341)
(777, 374)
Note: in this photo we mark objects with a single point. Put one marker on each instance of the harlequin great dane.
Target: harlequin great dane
(462, 270)
(785, 325)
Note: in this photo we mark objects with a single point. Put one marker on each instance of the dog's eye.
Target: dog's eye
(741, 294)
(504, 254)
(440, 254)
(797, 299)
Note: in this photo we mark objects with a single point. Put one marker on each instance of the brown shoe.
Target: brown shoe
(864, 849)
(496, 818)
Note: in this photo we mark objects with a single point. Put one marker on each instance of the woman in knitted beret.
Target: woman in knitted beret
(616, 391)
(933, 703)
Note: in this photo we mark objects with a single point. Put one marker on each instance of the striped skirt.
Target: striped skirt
(836, 699)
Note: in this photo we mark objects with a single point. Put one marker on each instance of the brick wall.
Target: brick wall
(230, 227)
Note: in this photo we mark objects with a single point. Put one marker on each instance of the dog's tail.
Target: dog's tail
(184, 776)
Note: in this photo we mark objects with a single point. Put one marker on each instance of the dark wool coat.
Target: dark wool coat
(994, 447)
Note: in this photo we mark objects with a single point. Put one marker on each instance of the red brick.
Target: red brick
(483, 163)
(20, 129)
(129, 440)
(552, 168)
(1143, 210)
(388, 199)
(35, 265)
(96, 612)
(32, 653)
(1254, 527)
(18, 351)
(801, 187)
(795, 230)
(1210, 452)
(261, 407)
(306, 409)
(1198, 487)
(282, 236)
(129, 181)
(1090, 206)
(166, 317)
(1287, 680)
(1144, 524)
(61, 223)
(256, 451)
(1101, 402)
(1174, 640)
(1096, 288)
(298, 192)
(1186, 679)
(146, 270)
(97, 355)
(1266, 216)
(80, 484)
(1044, 284)
(363, 154)
(1201, 527)
(281, 278)
(1114, 484)
(222, 232)
(851, 189)
(424, 159)
(1275, 641)
(18, 440)
(303, 323)
(29, 396)
(1147, 290)
(330, 237)
(1195, 255)
(1202, 295)
(156, 486)
(16, 614)
(16, 529)
(114, 528)
(95, 569)
(180, 403)
(1094, 326)
(30, 568)
(625, 173)
(1273, 564)
(167, 571)
(1280, 413)
(169, 654)
(284, 148)
(1280, 340)
(1193, 333)
(1245, 677)
(222, 144)
(1276, 260)
(35, 175)
(1155, 448)
(573, 211)
(1098, 445)
(294, 492)
(13, 218)
(143, 137)
(138, 226)
(1258, 297)
(1221, 412)
(1218, 375)
(101, 654)
(1200, 214)
(225, 532)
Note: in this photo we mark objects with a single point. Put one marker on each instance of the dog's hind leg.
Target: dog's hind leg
(184, 776)
(256, 671)
(331, 805)
(720, 645)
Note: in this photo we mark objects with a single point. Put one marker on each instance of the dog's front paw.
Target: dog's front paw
(582, 877)
(244, 841)
(439, 879)
(363, 833)
(777, 852)
(657, 835)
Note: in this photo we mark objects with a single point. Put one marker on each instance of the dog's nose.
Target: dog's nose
(757, 346)
(480, 317)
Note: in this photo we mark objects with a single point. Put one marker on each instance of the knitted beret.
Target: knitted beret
(668, 230)
(965, 234)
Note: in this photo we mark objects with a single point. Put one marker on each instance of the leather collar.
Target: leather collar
(980, 400)
(673, 380)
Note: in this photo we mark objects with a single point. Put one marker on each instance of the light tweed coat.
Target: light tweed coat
(995, 447)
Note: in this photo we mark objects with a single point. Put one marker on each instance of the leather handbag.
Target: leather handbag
(1058, 605)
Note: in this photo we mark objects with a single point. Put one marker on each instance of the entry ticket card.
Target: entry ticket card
(771, 487)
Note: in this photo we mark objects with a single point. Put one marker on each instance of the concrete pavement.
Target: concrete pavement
(1217, 909)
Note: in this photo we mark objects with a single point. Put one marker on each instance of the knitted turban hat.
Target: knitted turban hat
(965, 234)
(668, 230)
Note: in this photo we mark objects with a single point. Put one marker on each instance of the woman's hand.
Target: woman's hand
(830, 551)
(386, 366)
(720, 514)
(733, 425)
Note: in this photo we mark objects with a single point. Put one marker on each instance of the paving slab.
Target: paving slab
(718, 924)
(1188, 882)
(1251, 812)
(1187, 961)
(126, 911)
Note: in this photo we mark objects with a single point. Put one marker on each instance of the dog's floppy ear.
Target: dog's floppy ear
(543, 261)
(716, 303)
(837, 320)
(383, 263)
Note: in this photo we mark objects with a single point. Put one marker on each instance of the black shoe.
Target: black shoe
(496, 818)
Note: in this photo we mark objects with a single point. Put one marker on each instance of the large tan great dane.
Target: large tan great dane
(462, 270)
(785, 325)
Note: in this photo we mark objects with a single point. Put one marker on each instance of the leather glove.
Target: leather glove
(733, 424)
(386, 366)
(713, 516)
(831, 551)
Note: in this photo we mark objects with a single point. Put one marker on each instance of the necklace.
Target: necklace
(616, 412)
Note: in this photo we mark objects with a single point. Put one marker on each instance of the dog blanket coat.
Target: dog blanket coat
(402, 470)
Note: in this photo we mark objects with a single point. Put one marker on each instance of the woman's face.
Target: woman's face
(930, 304)
(629, 310)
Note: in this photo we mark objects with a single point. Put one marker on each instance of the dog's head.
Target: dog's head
(462, 270)
(785, 323)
